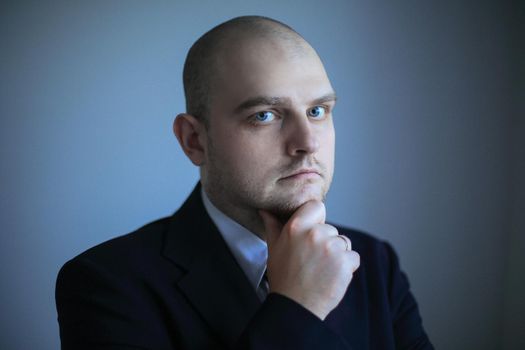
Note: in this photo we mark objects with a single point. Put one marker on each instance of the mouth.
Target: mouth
(303, 174)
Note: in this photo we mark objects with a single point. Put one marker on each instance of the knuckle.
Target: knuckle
(294, 225)
(314, 235)
(355, 259)
(349, 268)
(332, 230)
(330, 247)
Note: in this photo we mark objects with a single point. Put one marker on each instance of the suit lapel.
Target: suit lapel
(214, 283)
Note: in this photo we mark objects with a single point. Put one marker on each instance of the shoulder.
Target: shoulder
(380, 283)
(121, 255)
(147, 237)
(115, 284)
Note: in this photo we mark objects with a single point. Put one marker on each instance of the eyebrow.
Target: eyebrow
(275, 101)
(329, 97)
(261, 101)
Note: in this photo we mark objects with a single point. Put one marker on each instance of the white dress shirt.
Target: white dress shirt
(249, 250)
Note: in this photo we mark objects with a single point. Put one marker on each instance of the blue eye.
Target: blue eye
(317, 112)
(264, 117)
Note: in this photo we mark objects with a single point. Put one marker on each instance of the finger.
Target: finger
(308, 215)
(320, 232)
(272, 227)
(328, 229)
(348, 241)
(340, 242)
(356, 260)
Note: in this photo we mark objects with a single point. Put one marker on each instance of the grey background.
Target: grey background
(430, 143)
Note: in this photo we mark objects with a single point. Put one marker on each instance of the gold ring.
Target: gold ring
(345, 240)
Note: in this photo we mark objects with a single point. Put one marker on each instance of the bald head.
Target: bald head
(208, 53)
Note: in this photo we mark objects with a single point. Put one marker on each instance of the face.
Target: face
(270, 140)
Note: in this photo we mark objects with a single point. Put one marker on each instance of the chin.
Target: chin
(285, 207)
(307, 193)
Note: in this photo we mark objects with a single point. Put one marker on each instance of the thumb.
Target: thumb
(272, 227)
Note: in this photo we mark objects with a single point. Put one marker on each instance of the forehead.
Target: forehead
(270, 68)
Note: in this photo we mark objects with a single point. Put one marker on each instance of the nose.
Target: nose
(302, 139)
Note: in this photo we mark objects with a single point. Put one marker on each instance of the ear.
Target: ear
(191, 134)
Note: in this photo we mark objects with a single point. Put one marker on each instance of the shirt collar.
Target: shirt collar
(249, 250)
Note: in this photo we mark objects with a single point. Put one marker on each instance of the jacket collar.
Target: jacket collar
(214, 283)
(248, 249)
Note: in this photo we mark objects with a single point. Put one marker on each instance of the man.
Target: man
(248, 261)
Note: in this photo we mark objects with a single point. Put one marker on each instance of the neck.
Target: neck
(246, 217)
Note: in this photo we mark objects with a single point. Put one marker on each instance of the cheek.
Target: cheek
(243, 154)
(328, 143)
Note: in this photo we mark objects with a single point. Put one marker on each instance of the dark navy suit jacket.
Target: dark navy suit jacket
(173, 284)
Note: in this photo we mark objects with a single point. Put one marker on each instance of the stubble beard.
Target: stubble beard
(283, 204)
(241, 198)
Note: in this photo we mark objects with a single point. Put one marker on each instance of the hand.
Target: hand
(307, 262)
